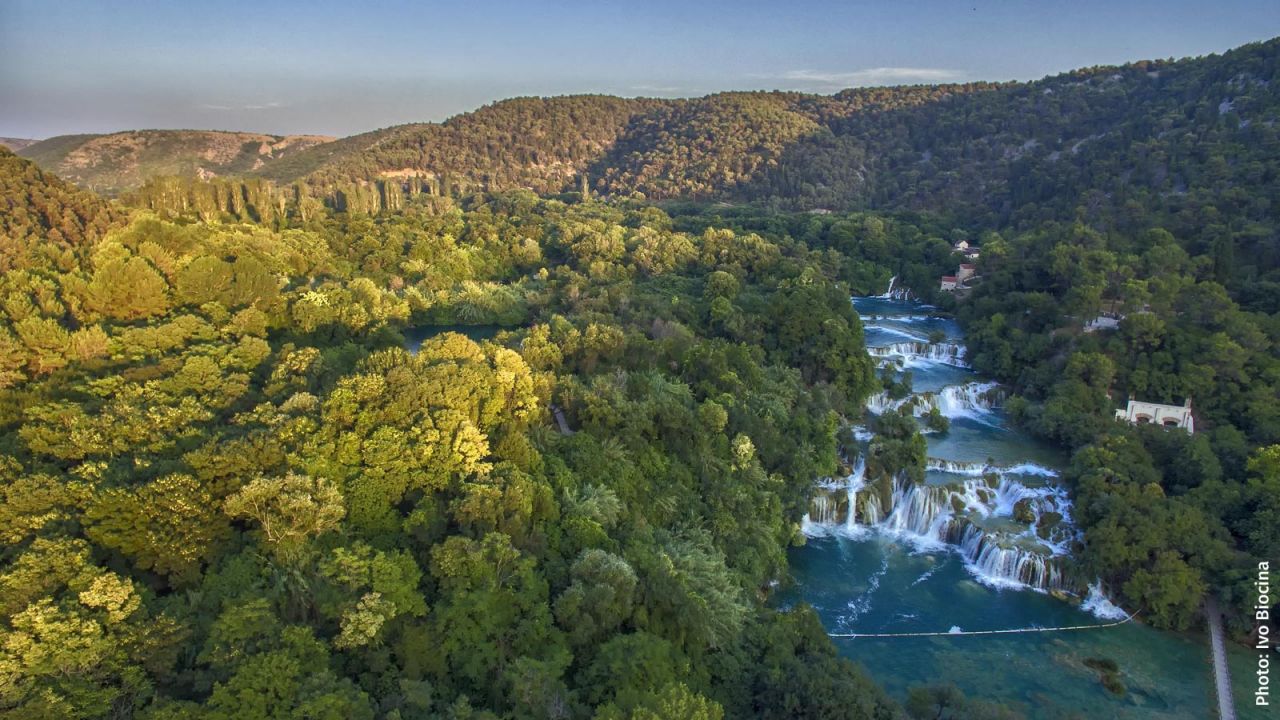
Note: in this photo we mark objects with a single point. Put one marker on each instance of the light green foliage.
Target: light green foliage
(288, 511)
(168, 526)
(127, 290)
(77, 639)
(675, 700)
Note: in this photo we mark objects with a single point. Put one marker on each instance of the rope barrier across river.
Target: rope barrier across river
(950, 633)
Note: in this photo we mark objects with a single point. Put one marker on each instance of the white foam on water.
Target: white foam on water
(1100, 605)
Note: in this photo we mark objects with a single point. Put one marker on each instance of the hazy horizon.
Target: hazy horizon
(330, 69)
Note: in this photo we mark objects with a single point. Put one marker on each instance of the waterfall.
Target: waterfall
(909, 354)
(1007, 564)
(922, 512)
(822, 510)
(1015, 550)
(971, 400)
(978, 469)
(965, 400)
(857, 481)
(1010, 524)
(1100, 605)
(888, 294)
(872, 513)
(896, 293)
(834, 504)
(881, 403)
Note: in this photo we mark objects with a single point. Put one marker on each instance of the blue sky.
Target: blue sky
(345, 67)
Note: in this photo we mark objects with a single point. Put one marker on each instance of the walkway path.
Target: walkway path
(560, 421)
(1221, 675)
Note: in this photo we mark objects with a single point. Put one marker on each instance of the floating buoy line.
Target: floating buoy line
(950, 633)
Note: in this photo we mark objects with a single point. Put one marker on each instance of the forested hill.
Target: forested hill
(1162, 134)
(120, 161)
(42, 218)
(538, 143)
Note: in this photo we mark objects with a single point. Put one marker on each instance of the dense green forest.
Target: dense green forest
(232, 488)
(230, 492)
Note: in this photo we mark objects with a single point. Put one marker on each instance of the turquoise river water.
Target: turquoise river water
(970, 552)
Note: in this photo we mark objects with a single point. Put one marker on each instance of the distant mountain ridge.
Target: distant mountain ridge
(114, 162)
(1169, 133)
(16, 144)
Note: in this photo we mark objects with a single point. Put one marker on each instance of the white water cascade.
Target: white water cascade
(834, 503)
(894, 293)
(888, 294)
(857, 481)
(972, 400)
(1009, 534)
(1010, 524)
(979, 469)
(1009, 564)
(911, 354)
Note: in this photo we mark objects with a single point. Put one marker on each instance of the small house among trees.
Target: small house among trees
(1142, 413)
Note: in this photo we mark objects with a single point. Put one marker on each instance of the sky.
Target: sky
(339, 68)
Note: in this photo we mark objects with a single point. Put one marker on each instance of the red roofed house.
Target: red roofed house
(966, 271)
(949, 283)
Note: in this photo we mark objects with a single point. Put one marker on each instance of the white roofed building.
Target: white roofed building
(1142, 413)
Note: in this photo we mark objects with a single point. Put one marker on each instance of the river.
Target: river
(979, 546)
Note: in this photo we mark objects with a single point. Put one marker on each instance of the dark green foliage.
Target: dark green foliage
(1108, 674)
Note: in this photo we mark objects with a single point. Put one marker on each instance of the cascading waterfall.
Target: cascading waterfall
(872, 512)
(999, 563)
(822, 510)
(964, 400)
(972, 400)
(978, 469)
(857, 481)
(835, 501)
(908, 354)
(893, 293)
(1011, 524)
(920, 511)
(1097, 603)
(960, 515)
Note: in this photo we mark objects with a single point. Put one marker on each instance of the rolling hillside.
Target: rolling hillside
(16, 144)
(1175, 135)
(120, 161)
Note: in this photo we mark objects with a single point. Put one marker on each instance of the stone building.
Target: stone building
(1142, 413)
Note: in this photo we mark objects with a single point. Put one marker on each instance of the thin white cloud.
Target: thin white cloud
(817, 79)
